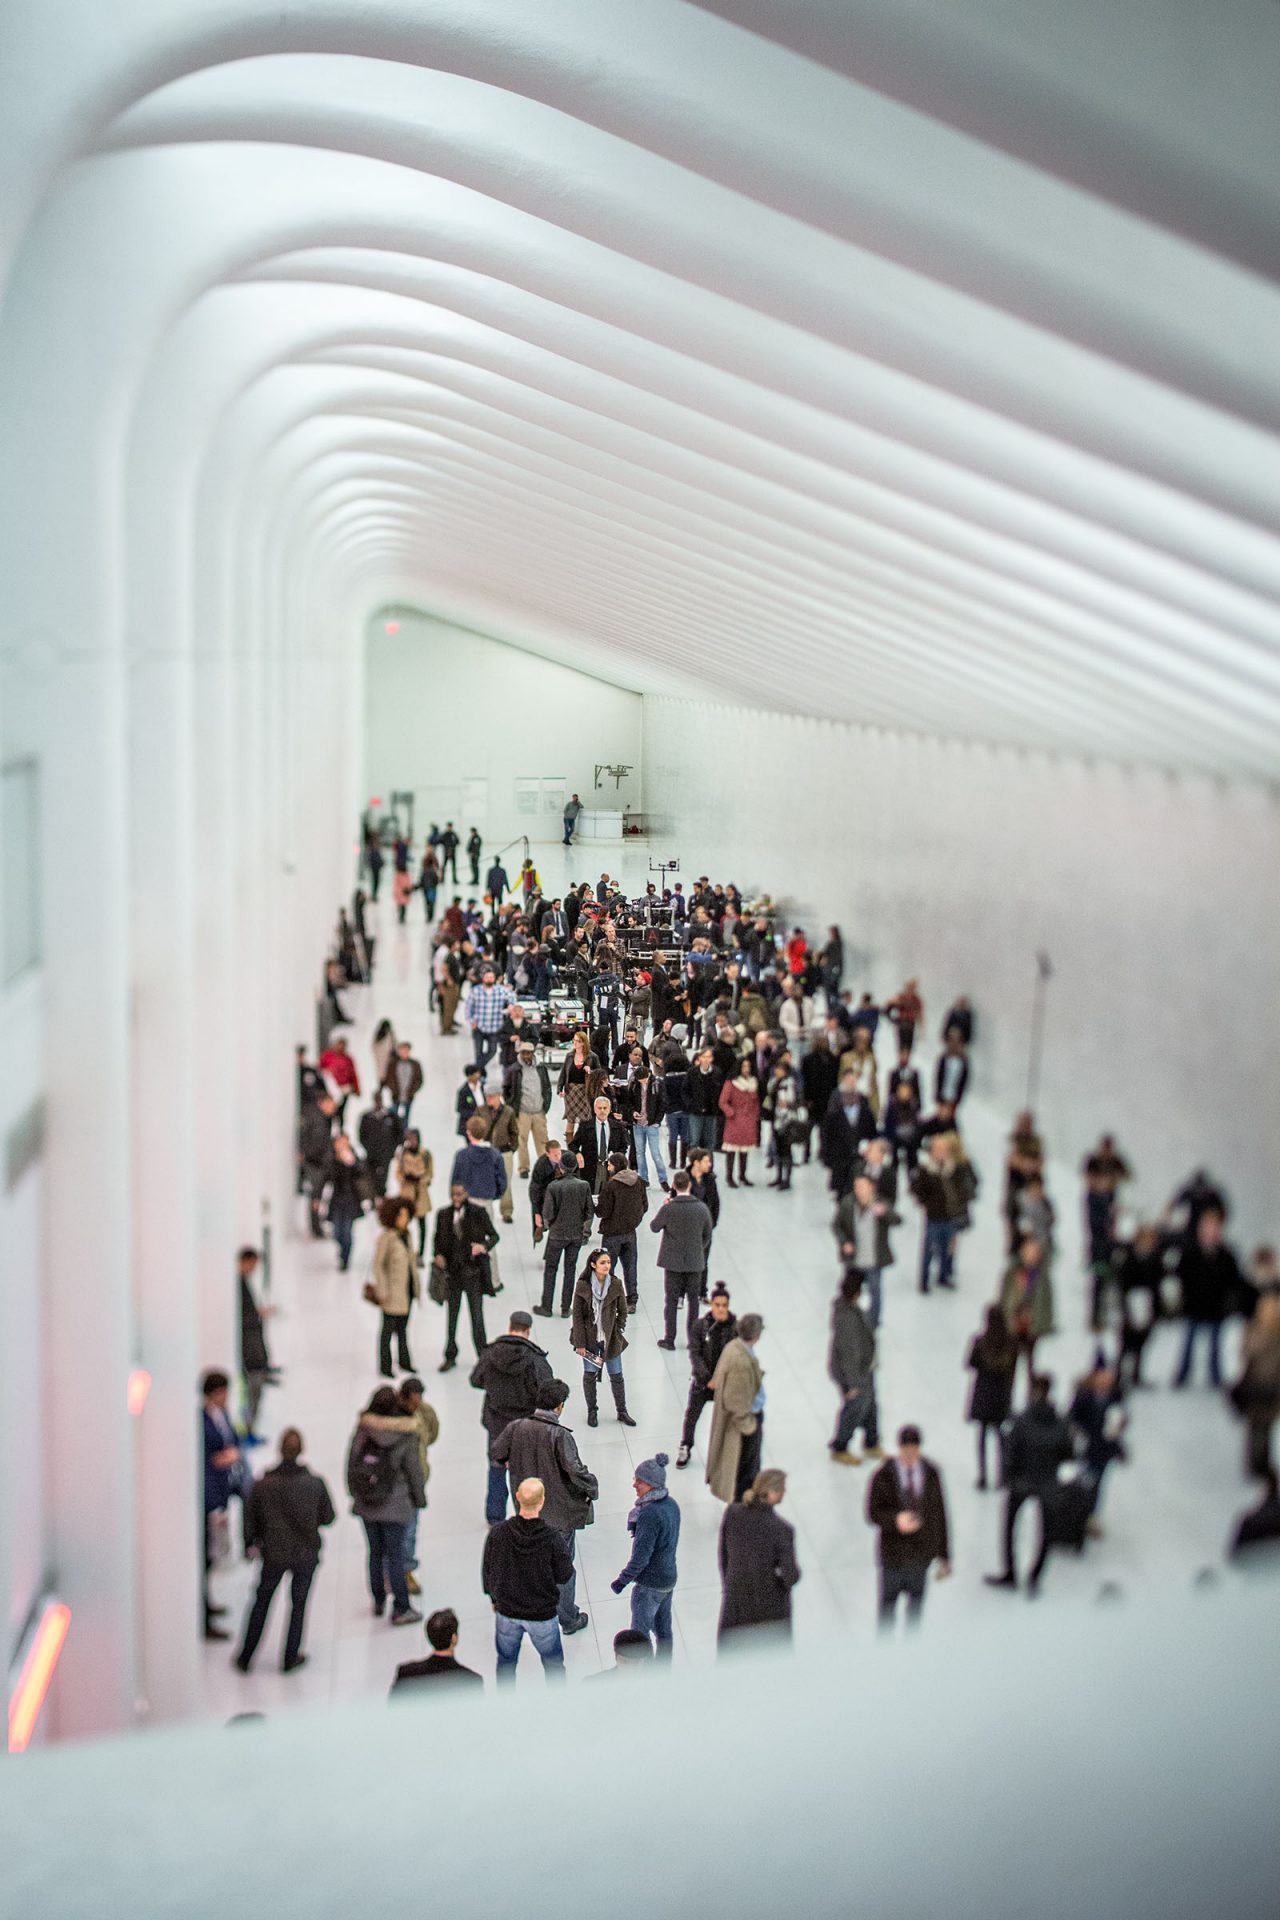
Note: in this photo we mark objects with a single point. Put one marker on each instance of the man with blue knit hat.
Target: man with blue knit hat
(654, 1526)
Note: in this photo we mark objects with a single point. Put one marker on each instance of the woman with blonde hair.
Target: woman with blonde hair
(758, 1566)
(574, 1084)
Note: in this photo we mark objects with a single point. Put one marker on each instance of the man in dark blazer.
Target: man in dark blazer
(470, 1098)
(464, 1236)
(906, 1502)
(847, 1122)
(596, 1138)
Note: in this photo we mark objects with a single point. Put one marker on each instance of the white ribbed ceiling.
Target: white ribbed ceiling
(909, 364)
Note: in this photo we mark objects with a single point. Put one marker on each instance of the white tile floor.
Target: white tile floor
(1166, 1513)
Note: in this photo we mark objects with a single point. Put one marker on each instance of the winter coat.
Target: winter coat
(284, 1513)
(655, 1103)
(380, 1133)
(1038, 1312)
(852, 1355)
(819, 1072)
(540, 1179)
(654, 1526)
(540, 1448)
(423, 1426)
(504, 1130)
(1212, 1283)
(741, 1109)
(758, 1566)
(839, 1141)
(623, 1203)
(702, 1091)
(707, 1342)
(566, 1210)
(736, 1381)
(478, 1167)
(383, 1054)
(993, 1371)
(512, 1087)
(1036, 1444)
(583, 1326)
(394, 1277)
(415, 1172)
(707, 1189)
(685, 1226)
(407, 1493)
(864, 1066)
(844, 1229)
(524, 1568)
(510, 1371)
(391, 1078)
(945, 1196)
(253, 1337)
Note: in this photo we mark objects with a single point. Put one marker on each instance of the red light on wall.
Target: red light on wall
(138, 1389)
(28, 1696)
(393, 626)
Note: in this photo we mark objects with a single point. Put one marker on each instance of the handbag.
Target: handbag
(438, 1285)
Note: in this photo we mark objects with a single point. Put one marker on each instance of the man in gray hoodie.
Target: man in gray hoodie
(683, 1253)
(621, 1206)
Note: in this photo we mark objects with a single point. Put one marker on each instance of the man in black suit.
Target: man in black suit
(443, 1665)
(847, 1122)
(906, 1502)
(464, 1236)
(595, 1139)
(470, 1098)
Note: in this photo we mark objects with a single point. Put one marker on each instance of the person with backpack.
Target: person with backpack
(384, 1479)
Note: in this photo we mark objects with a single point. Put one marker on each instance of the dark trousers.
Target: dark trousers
(495, 1499)
(621, 1249)
(698, 1399)
(486, 1046)
(677, 1287)
(897, 1581)
(470, 1287)
(984, 1428)
(1194, 1329)
(343, 1225)
(749, 1458)
(386, 1563)
(857, 1410)
(299, 1587)
(554, 1254)
(937, 1249)
(1018, 1497)
(395, 1326)
(677, 1139)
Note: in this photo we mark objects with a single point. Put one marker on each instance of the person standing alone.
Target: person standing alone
(905, 1502)
(654, 1526)
(282, 1520)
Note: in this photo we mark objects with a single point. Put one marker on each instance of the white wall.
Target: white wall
(443, 704)
(1156, 898)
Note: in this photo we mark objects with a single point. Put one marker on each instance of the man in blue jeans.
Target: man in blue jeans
(509, 1371)
(523, 1569)
(654, 1526)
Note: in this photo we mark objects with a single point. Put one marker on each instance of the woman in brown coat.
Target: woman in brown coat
(414, 1168)
(394, 1282)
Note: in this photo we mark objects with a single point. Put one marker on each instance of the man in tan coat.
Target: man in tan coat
(737, 1418)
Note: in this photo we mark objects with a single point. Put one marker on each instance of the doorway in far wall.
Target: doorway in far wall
(474, 802)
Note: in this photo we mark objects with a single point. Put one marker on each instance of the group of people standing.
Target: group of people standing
(746, 1040)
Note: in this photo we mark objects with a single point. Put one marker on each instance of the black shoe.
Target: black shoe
(215, 1633)
(1000, 1579)
(950, 1285)
(574, 1626)
(543, 1313)
(633, 1301)
(744, 1182)
(624, 1418)
(447, 1366)
(291, 1666)
(668, 1346)
(213, 1613)
(565, 1312)
(593, 1420)
(240, 1663)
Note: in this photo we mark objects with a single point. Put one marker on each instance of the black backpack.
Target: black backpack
(373, 1471)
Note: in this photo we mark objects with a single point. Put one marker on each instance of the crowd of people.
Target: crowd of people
(671, 1031)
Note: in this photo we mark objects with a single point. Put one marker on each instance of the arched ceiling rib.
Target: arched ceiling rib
(797, 382)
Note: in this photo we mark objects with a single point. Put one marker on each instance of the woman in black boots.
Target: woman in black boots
(599, 1316)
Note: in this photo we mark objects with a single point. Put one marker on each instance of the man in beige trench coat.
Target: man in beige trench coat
(737, 1416)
